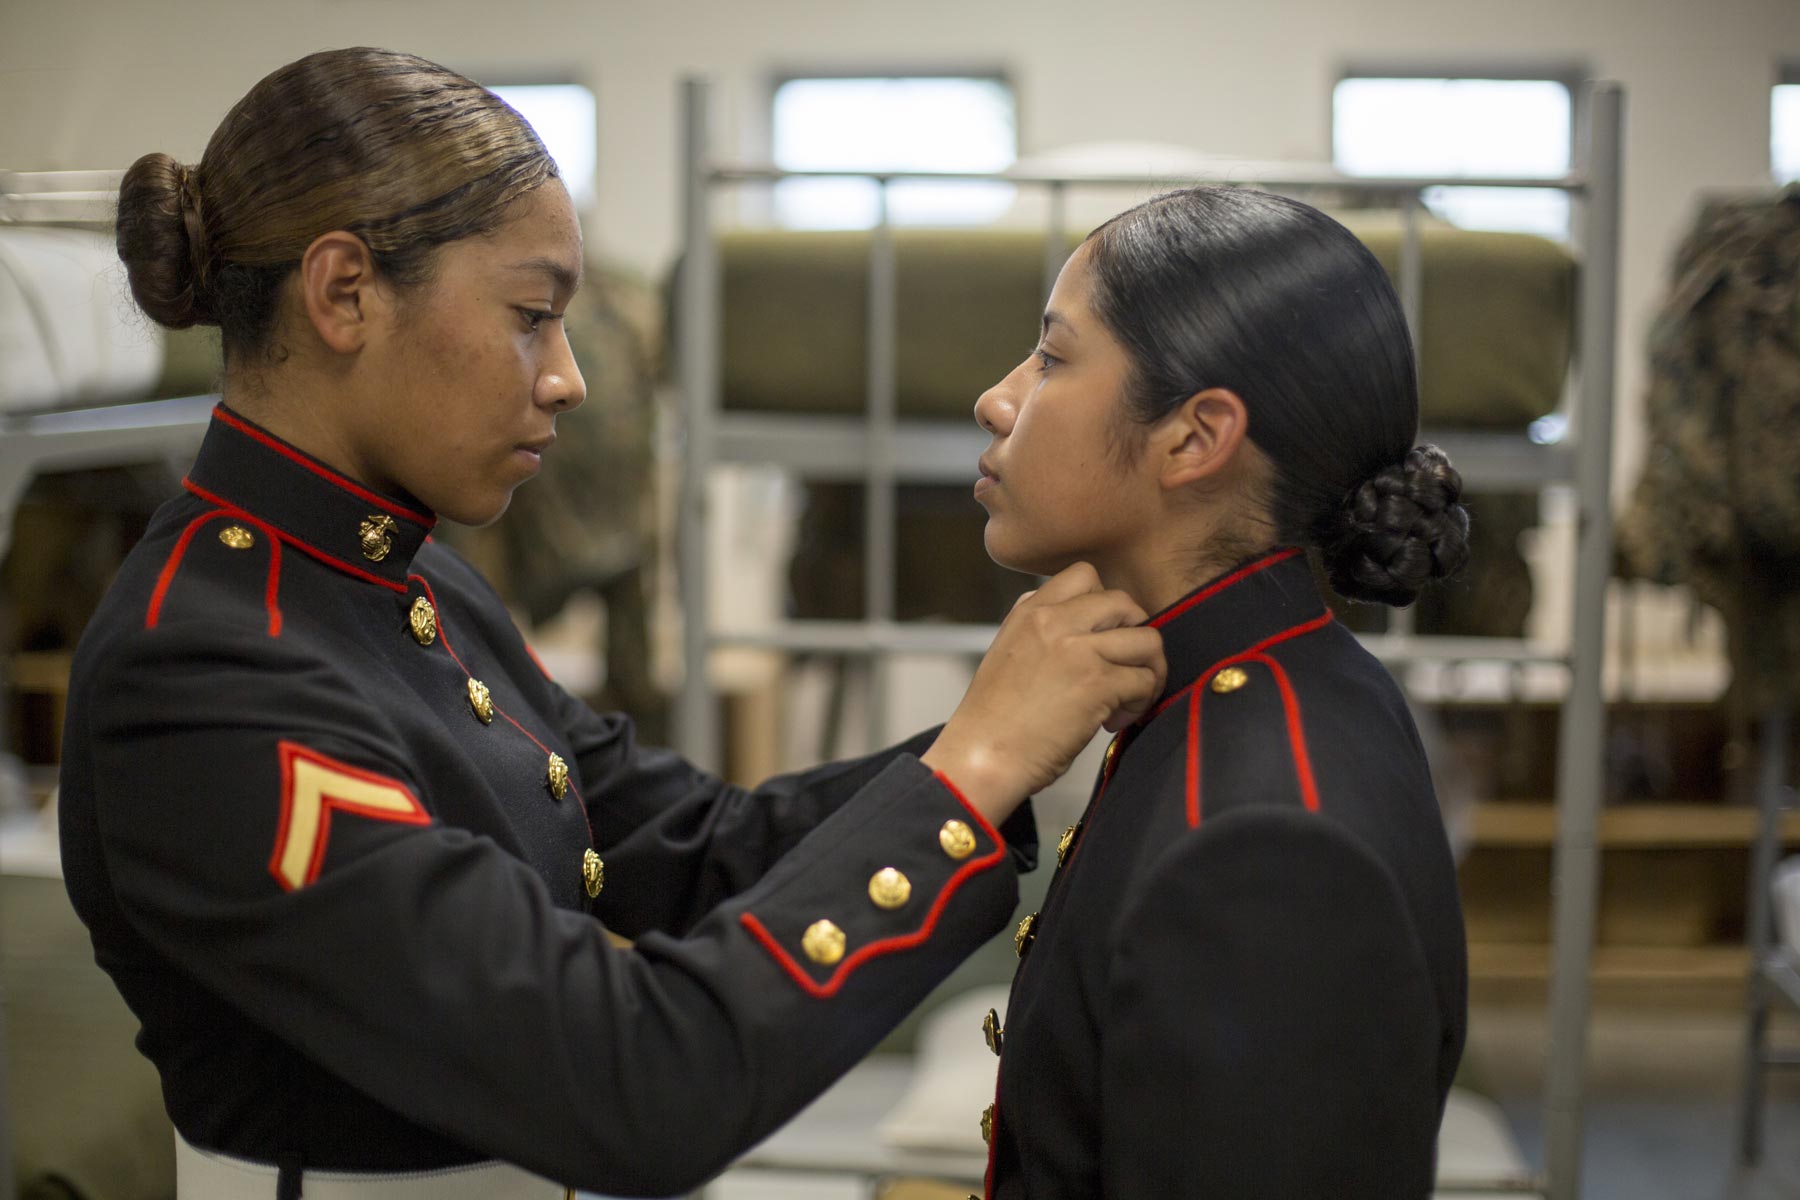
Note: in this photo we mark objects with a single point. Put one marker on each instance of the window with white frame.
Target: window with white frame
(1784, 127)
(892, 123)
(1448, 126)
(565, 117)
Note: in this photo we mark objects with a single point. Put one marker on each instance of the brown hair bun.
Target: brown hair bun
(162, 239)
(1399, 530)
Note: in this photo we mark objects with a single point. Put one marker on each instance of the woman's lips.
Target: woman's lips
(531, 454)
(988, 479)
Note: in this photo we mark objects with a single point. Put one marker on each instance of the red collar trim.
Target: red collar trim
(330, 560)
(1169, 614)
(225, 415)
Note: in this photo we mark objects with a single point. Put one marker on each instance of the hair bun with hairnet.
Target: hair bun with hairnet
(162, 241)
(1399, 530)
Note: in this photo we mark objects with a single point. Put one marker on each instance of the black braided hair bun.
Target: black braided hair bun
(1399, 530)
(161, 240)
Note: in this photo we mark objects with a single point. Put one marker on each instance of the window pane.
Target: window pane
(1489, 127)
(1784, 132)
(563, 114)
(928, 124)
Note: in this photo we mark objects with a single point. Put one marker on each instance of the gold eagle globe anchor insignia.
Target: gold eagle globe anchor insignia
(377, 534)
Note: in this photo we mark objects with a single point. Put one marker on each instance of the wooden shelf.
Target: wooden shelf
(1528, 825)
(1530, 963)
(1657, 977)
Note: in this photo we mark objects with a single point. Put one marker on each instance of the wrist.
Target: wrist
(990, 788)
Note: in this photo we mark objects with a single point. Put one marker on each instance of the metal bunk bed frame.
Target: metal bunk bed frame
(881, 451)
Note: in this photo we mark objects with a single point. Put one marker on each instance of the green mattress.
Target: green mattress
(1497, 318)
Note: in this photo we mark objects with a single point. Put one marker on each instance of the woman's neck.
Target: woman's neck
(1179, 557)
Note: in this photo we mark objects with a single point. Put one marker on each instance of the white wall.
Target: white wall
(94, 83)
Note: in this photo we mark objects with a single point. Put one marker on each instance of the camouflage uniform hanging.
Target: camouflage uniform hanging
(1718, 507)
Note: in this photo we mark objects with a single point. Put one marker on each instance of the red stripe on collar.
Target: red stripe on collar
(1169, 614)
(222, 414)
(330, 560)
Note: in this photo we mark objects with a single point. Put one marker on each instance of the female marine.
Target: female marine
(1248, 977)
(343, 846)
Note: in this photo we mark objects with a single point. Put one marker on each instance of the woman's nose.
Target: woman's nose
(995, 410)
(560, 385)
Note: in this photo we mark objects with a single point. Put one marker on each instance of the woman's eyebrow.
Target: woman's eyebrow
(1052, 317)
(562, 277)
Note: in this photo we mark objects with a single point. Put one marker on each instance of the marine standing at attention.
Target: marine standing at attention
(1247, 981)
(347, 852)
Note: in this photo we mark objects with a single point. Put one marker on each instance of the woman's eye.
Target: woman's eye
(535, 317)
(1046, 360)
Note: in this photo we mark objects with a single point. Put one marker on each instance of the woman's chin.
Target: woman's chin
(1026, 560)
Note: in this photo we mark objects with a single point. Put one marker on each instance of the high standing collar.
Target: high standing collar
(1252, 606)
(242, 467)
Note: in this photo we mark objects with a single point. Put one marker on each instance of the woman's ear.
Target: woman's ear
(1201, 437)
(338, 291)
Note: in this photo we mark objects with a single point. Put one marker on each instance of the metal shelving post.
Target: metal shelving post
(696, 716)
(1580, 767)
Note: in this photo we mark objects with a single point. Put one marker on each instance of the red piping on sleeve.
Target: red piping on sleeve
(221, 413)
(1169, 614)
(304, 547)
(882, 946)
(1193, 760)
(444, 637)
(1309, 789)
(271, 588)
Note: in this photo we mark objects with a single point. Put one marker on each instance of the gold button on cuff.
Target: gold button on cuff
(481, 701)
(823, 943)
(888, 888)
(593, 872)
(990, 1029)
(1026, 933)
(1230, 680)
(987, 1124)
(1064, 844)
(376, 533)
(237, 537)
(423, 619)
(558, 776)
(957, 839)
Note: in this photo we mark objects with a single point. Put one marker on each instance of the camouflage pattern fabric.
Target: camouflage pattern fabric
(1718, 507)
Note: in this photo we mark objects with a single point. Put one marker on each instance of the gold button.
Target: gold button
(1027, 931)
(481, 701)
(1230, 680)
(423, 619)
(888, 888)
(593, 872)
(957, 839)
(990, 1029)
(376, 533)
(987, 1124)
(823, 942)
(1064, 844)
(237, 537)
(559, 776)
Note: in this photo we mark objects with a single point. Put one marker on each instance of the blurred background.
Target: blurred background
(770, 477)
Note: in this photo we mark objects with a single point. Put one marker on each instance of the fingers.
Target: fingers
(1133, 646)
(1076, 580)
